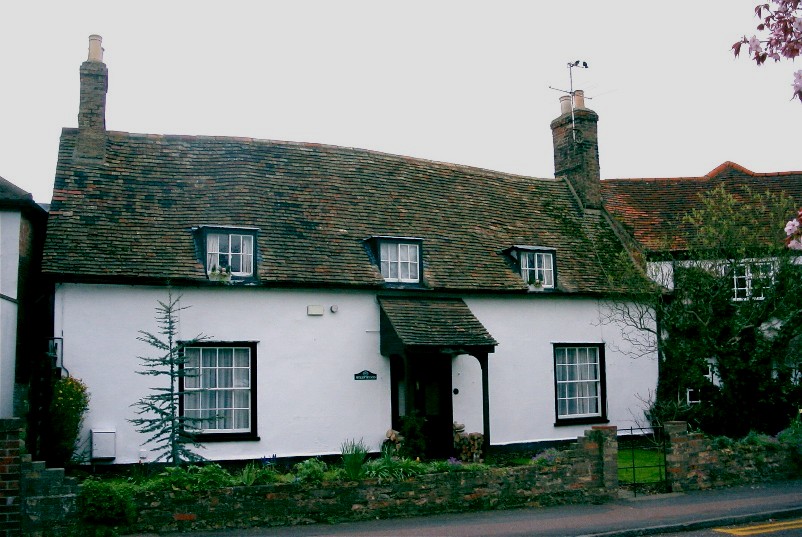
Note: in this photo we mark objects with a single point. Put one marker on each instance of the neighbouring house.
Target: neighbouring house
(24, 303)
(340, 289)
(653, 212)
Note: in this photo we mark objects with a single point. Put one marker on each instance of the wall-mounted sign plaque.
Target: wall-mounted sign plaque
(365, 375)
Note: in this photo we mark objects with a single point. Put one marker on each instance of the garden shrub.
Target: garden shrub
(257, 474)
(106, 503)
(546, 458)
(310, 471)
(791, 438)
(354, 454)
(192, 478)
(389, 468)
(66, 414)
(414, 444)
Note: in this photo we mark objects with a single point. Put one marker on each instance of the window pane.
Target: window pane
(242, 399)
(225, 357)
(219, 394)
(242, 357)
(577, 374)
(236, 244)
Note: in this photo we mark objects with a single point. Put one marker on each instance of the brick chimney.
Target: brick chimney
(91, 140)
(576, 149)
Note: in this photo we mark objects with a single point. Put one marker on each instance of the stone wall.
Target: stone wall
(693, 461)
(587, 473)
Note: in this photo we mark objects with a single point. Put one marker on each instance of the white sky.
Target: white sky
(457, 81)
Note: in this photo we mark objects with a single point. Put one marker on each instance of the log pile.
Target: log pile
(468, 445)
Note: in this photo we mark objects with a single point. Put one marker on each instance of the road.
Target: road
(770, 528)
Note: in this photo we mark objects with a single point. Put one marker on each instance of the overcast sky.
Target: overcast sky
(456, 81)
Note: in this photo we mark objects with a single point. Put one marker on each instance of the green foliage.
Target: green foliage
(548, 457)
(257, 474)
(192, 478)
(751, 346)
(722, 442)
(414, 444)
(310, 471)
(791, 438)
(169, 430)
(391, 468)
(66, 413)
(354, 454)
(106, 503)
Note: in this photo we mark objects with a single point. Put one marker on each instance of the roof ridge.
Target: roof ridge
(328, 147)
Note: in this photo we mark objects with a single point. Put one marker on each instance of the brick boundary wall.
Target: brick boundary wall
(11, 445)
(694, 463)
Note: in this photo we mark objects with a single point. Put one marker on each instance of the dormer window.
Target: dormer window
(400, 261)
(398, 258)
(536, 265)
(228, 252)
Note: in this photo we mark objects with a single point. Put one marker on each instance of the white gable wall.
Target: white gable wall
(308, 402)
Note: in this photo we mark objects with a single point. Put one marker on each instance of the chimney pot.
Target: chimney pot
(95, 48)
(565, 104)
(579, 99)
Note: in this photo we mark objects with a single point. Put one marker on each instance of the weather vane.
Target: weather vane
(578, 64)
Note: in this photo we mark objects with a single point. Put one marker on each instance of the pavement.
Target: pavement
(624, 517)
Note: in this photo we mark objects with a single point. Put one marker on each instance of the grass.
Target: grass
(648, 466)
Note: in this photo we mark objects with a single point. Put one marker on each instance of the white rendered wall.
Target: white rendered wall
(9, 280)
(307, 399)
(308, 402)
(521, 371)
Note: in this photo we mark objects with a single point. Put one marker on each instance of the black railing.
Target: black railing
(642, 459)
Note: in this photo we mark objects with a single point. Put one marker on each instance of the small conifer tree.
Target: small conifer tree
(171, 433)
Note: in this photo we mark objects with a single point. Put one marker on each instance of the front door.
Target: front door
(423, 381)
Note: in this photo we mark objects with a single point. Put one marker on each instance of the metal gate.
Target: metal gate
(642, 460)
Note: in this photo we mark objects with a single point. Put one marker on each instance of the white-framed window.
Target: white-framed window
(229, 253)
(537, 268)
(579, 380)
(400, 261)
(218, 389)
(751, 278)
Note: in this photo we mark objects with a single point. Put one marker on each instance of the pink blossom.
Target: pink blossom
(791, 227)
(798, 82)
(754, 45)
(794, 244)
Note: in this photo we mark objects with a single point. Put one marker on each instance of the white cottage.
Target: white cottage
(341, 289)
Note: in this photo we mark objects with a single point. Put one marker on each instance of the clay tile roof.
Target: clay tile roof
(437, 322)
(13, 197)
(132, 215)
(652, 210)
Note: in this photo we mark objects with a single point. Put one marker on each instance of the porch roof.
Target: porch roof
(446, 324)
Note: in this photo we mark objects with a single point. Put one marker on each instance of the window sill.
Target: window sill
(227, 437)
(594, 420)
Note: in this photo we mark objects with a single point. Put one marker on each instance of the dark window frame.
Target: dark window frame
(602, 397)
(226, 436)
(201, 237)
(373, 246)
(515, 253)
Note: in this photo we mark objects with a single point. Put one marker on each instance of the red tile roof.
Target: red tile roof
(652, 210)
(132, 216)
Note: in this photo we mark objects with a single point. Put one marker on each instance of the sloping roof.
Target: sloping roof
(314, 206)
(13, 197)
(435, 323)
(652, 210)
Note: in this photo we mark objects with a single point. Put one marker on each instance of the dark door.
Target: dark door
(431, 381)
